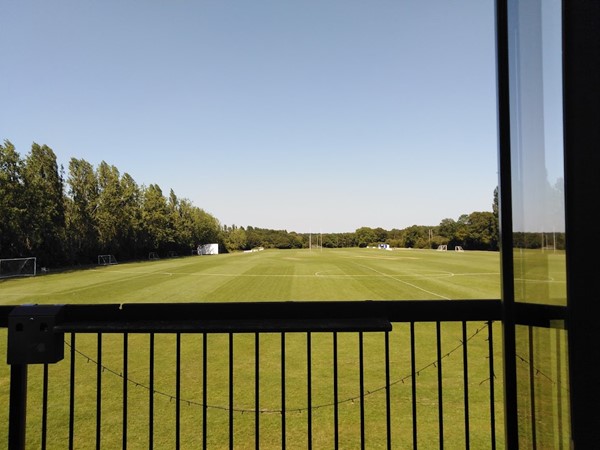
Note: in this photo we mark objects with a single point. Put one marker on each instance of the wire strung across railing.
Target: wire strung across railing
(288, 410)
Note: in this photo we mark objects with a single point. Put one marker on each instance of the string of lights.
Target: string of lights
(353, 399)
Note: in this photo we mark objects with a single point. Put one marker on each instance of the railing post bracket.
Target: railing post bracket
(31, 335)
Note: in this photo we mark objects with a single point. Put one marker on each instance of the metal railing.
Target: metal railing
(374, 374)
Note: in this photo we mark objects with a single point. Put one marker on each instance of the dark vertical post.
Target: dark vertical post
(125, 386)
(257, 390)
(532, 389)
(581, 108)
(361, 364)
(283, 437)
(18, 407)
(388, 412)
(72, 393)
(204, 389)
(231, 390)
(99, 393)
(44, 406)
(151, 395)
(413, 372)
(336, 417)
(309, 388)
(466, 385)
(505, 219)
(440, 386)
(492, 380)
(178, 391)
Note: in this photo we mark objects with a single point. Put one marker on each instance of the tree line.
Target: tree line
(69, 217)
(475, 231)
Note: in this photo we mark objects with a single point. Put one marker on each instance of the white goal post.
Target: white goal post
(18, 267)
(458, 248)
(442, 248)
(106, 260)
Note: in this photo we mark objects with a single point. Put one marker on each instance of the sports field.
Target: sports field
(303, 275)
(271, 275)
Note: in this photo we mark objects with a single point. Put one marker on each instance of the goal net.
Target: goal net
(17, 267)
(442, 248)
(153, 256)
(458, 248)
(106, 260)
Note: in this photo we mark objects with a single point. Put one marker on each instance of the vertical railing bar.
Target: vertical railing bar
(413, 371)
(204, 389)
(492, 392)
(99, 393)
(151, 395)
(231, 390)
(283, 436)
(309, 387)
(362, 388)
(125, 386)
(388, 412)
(559, 394)
(44, 406)
(439, 381)
(72, 393)
(532, 389)
(257, 391)
(335, 392)
(178, 390)
(17, 407)
(466, 385)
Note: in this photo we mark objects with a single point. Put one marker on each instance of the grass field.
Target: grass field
(303, 275)
(347, 274)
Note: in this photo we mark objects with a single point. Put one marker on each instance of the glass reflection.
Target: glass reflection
(536, 150)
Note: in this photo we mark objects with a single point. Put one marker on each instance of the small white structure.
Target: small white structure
(208, 249)
(383, 246)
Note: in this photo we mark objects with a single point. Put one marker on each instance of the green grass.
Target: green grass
(364, 274)
(349, 274)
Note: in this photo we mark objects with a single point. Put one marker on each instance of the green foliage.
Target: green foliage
(13, 205)
(45, 213)
(101, 211)
(98, 211)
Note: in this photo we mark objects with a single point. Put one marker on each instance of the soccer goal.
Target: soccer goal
(442, 248)
(18, 267)
(106, 260)
(153, 256)
(458, 248)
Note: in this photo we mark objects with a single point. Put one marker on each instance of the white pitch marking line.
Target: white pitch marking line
(405, 282)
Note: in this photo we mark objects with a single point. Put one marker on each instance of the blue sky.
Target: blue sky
(303, 115)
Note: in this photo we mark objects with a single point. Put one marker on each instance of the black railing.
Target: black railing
(374, 374)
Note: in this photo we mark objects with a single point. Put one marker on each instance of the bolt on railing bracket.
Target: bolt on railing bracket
(31, 336)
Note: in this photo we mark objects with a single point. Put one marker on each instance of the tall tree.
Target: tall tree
(108, 216)
(131, 220)
(81, 209)
(482, 231)
(45, 212)
(155, 218)
(13, 203)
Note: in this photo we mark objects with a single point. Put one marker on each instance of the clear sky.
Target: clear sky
(319, 115)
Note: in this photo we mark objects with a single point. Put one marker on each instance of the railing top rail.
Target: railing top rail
(264, 316)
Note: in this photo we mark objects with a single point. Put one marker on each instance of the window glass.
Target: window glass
(536, 151)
